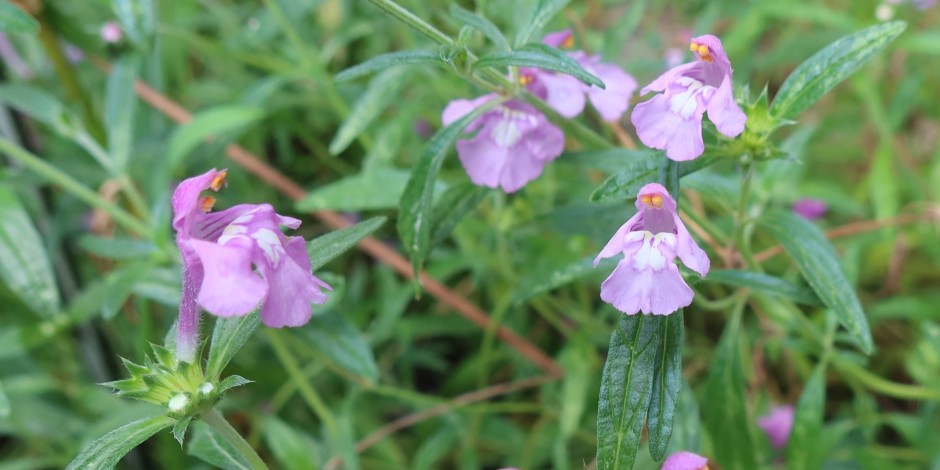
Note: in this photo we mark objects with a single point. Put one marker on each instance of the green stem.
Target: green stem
(217, 422)
(419, 25)
(309, 394)
(68, 78)
(741, 235)
(70, 185)
(134, 197)
(880, 385)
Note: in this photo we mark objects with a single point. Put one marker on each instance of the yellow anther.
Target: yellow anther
(693, 47)
(218, 180)
(568, 42)
(526, 79)
(702, 51)
(645, 199)
(207, 203)
(657, 201)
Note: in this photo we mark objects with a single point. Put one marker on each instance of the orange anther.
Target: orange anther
(526, 79)
(218, 180)
(207, 203)
(657, 201)
(568, 42)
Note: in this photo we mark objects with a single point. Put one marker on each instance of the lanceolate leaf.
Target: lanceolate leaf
(626, 390)
(14, 20)
(543, 12)
(667, 383)
(726, 414)
(208, 124)
(645, 168)
(120, 102)
(816, 258)
(24, 265)
(386, 61)
(834, 63)
(105, 452)
(325, 248)
(452, 207)
(414, 224)
(377, 188)
(770, 285)
(208, 445)
(540, 56)
(379, 94)
(228, 337)
(484, 25)
(803, 446)
(340, 341)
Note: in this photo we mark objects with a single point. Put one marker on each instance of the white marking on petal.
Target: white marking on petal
(270, 245)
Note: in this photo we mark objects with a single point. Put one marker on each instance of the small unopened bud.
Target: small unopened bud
(111, 32)
(178, 403)
(206, 388)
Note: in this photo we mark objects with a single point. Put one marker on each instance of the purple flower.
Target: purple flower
(237, 259)
(672, 121)
(647, 279)
(777, 424)
(567, 94)
(685, 461)
(809, 208)
(111, 32)
(513, 142)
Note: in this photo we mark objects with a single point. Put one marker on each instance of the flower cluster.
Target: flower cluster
(514, 141)
(237, 259)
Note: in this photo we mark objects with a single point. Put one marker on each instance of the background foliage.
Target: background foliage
(81, 286)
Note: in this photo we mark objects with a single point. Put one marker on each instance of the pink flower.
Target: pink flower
(111, 32)
(777, 424)
(685, 461)
(647, 279)
(672, 121)
(237, 259)
(513, 142)
(567, 94)
(811, 209)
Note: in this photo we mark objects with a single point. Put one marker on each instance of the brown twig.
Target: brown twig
(461, 400)
(370, 245)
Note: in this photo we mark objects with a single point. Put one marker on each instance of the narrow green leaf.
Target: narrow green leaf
(642, 169)
(543, 12)
(33, 102)
(325, 248)
(107, 450)
(452, 207)
(14, 20)
(770, 285)
(546, 280)
(136, 17)
(726, 415)
(667, 384)
(179, 429)
(576, 359)
(207, 445)
(24, 266)
(292, 448)
(4, 403)
(207, 125)
(626, 390)
(669, 176)
(119, 106)
(106, 295)
(414, 212)
(687, 427)
(228, 336)
(385, 61)
(378, 188)
(117, 248)
(231, 382)
(803, 446)
(828, 67)
(382, 90)
(817, 260)
(339, 340)
(484, 25)
(541, 56)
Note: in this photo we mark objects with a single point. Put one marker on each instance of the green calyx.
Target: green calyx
(182, 388)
